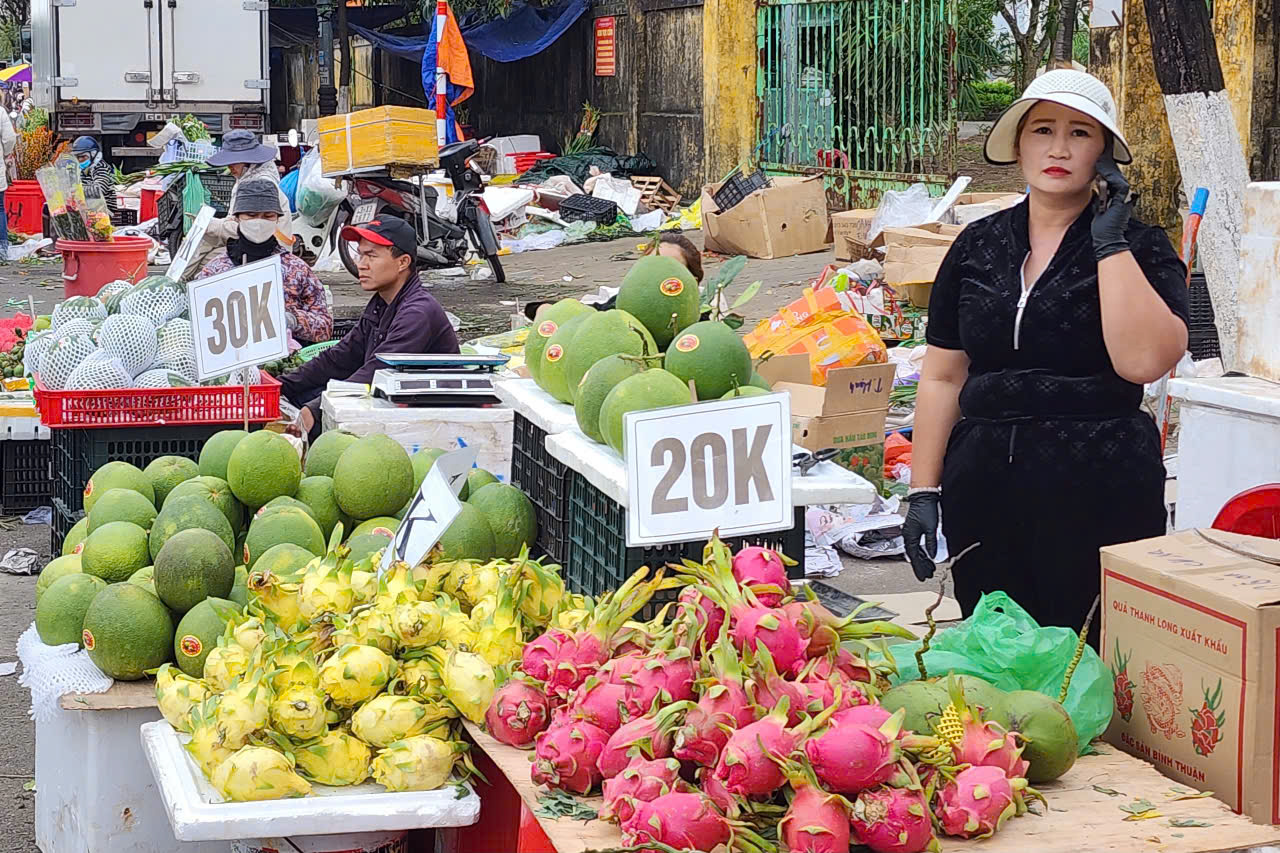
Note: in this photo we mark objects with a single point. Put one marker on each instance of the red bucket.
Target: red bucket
(24, 205)
(87, 265)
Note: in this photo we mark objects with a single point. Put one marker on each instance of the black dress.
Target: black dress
(1052, 457)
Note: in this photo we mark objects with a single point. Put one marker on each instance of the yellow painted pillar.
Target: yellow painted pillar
(1234, 24)
(729, 105)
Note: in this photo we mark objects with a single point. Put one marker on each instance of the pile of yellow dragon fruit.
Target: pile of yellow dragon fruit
(334, 675)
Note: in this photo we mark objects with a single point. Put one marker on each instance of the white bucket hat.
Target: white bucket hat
(1076, 90)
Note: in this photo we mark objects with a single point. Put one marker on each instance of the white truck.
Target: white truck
(119, 69)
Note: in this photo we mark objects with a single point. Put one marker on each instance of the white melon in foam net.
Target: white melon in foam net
(77, 308)
(100, 371)
(130, 338)
(156, 299)
(77, 326)
(113, 288)
(64, 357)
(161, 378)
(35, 349)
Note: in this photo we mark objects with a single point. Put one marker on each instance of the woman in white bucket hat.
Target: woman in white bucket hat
(1044, 323)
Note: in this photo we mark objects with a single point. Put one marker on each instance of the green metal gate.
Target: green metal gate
(860, 91)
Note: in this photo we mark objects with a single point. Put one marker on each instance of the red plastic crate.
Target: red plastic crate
(525, 162)
(202, 404)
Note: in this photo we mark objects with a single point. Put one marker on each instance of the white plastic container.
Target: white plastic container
(540, 408)
(359, 842)
(95, 791)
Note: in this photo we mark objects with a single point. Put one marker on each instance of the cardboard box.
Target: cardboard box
(784, 219)
(1192, 632)
(378, 137)
(912, 257)
(973, 206)
(849, 230)
(848, 414)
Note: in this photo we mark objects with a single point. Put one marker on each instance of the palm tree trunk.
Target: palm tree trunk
(1064, 42)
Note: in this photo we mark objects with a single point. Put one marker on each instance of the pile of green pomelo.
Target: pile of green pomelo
(644, 354)
(161, 557)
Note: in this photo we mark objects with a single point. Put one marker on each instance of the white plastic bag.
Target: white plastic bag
(902, 209)
(49, 672)
(317, 195)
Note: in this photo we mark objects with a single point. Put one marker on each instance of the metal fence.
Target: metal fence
(861, 91)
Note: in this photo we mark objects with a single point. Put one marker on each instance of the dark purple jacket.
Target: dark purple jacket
(414, 322)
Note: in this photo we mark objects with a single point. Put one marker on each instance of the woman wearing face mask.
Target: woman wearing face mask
(98, 177)
(258, 214)
(1045, 321)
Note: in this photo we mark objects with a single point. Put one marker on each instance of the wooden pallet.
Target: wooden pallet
(656, 193)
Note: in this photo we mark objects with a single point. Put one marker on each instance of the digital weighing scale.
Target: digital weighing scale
(437, 380)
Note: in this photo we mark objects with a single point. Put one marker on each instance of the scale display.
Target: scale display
(437, 379)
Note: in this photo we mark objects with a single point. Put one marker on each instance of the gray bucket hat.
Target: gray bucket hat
(241, 146)
(257, 196)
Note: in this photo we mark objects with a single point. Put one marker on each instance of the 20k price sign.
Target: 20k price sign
(237, 318)
(721, 465)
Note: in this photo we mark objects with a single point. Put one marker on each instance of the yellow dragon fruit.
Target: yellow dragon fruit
(245, 707)
(369, 626)
(276, 598)
(248, 632)
(326, 583)
(356, 674)
(293, 663)
(456, 629)
(479, 584)
(384, 719)
(337, 758)
(469, 681)
(430, 576)
(482, 612)
(420, 763)
(176, 694)
(258, 773)
(543, 589)
(500, 640)
(208, 744)
(226, 662)
(364, 585)
(420, 678)
(298, 711)
(398, 584)
(417, 624)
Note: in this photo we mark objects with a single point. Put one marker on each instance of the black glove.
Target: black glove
(922, 521)
(1109, 224)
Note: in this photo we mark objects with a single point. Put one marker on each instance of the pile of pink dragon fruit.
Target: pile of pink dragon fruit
(749, 721)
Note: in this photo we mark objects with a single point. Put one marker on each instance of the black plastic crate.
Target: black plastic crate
(1203, 342)
(77, 453)
(737, 187)
(63, 520)
(25, 478)
(1200, 306)
(599, 559)
(585, 208)
(343, 325)
(219, 187)
(546, 480)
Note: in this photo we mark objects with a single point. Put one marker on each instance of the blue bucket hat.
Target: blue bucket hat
(241, 146)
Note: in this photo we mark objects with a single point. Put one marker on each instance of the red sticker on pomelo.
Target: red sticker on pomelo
(555, 352)
(190, 645)
(86, 637)
(688, 343)
(547, 328)
(672, 287)
(88, 488)
(246, 554)
(382, 531)
(79, 547)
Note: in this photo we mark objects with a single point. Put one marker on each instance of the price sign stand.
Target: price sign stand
(432, 509)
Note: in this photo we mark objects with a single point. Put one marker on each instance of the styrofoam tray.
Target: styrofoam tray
(544, 411)
(197, 812)
(826, 483)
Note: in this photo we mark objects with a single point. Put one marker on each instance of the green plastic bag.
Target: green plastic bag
(1001, 643)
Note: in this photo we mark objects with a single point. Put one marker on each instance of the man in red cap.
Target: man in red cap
(401, 317)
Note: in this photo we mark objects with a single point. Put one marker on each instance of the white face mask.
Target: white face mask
(257, 230)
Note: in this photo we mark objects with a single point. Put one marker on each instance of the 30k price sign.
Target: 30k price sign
(721, 465)
(237, 318)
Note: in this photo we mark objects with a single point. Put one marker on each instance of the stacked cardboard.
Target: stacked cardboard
(789, 217)
(381, 136)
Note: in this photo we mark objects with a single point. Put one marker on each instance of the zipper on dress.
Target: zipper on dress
(1024, 295)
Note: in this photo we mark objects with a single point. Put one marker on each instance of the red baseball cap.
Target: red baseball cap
(385, 231)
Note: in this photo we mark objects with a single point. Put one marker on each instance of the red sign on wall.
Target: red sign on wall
(606, 47)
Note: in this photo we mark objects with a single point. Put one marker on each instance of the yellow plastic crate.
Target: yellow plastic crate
(382, 136)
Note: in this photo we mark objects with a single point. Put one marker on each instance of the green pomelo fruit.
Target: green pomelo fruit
(654, 289)
(365, 544)
(217, 492)
(991, 699)
(745, 391)
(198, 632)
(1052, 742)
(114, 551)
(923, 701)
(58, 567)
(186, 512)
(167, 472)
(240, 588)
(127, 631)
(145, 578)
(283, 525)
(653, 389)
(121, 505)
(477, 479)
(758, 381)
(374, 477)
(282, 560)
(217, 451)
(74, 540)
(422, 462)
(602, 334)
(553, 377)
(323, 456)
(549, 319)
(117, 475)
(60, 611)
(383, 525)
(510, 515)
(317, 494)
(596, 384)
(192, 566)
(282, 502)
(263, 466)
(710, 355)
(468, 537)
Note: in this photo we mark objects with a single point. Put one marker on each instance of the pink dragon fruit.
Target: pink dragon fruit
(985, 742)
(622, 667)
(517, 714)
(701, 737)
(853, 757)
(815, 822)
(765, 571)
(749, 764)
(538, 654)
(639, 636)
(823, 631)
(841, 664)
(819, 693)
(893, 820)
(565, 757)
(724, 706)
(716, 792)
(666, 676)
(641, 782)
(767, 688)
(871, 714)
(600, 704)
(649, 736)
(682, 821)
(698, 620)
(977, 802)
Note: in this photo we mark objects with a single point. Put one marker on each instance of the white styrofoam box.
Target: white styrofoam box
(354, 842)
(826, 482)
(416, 429)
(540, 408)
(1228, 441)
(508, 146)
(1258, 298)
(95, 791)
(504, 201)
(22, 429)
(197, 812)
